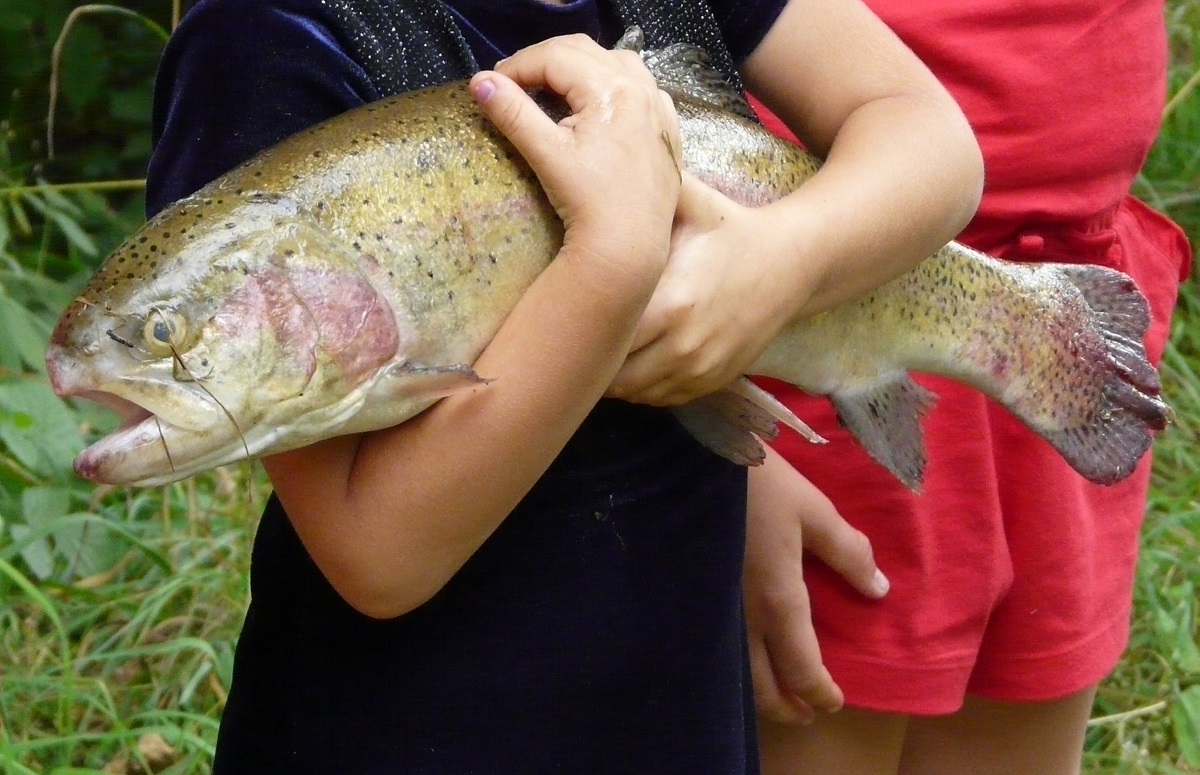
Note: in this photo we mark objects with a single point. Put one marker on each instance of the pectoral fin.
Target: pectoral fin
(434, 382)
(731, 421)
(886, 419)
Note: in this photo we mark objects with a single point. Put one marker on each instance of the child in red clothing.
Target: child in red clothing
(1011, 575)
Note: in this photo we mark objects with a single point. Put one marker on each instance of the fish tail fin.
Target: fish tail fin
(730, 421)
(1123, 316)
(1121, 428)
(885, 418)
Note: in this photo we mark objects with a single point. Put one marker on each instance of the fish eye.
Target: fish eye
(164, 332)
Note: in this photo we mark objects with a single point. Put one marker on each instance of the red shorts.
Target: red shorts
(1011, 575)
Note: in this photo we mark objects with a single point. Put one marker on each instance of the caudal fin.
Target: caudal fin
(1108, 448)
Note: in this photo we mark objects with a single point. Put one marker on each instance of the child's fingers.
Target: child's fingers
(534, 134)
(798, 670)
(837, 543)
(768, 700)
(577, 68)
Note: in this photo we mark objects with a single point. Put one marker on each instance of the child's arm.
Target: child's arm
(903, 174)
(390, 516)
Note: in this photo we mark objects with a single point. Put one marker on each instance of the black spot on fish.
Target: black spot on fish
(230, 224)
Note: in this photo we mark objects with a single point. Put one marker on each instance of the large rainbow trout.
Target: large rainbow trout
(346, 279)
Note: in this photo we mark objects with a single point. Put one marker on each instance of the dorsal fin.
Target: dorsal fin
(685, 72)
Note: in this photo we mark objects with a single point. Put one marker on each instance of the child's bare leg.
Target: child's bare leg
(1000, 738)
(849, 742)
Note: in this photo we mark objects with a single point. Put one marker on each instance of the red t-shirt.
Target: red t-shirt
(1065, 96)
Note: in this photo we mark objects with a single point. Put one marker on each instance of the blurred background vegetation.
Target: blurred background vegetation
(119, 608)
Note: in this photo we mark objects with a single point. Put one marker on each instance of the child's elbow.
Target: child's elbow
(385, 595)
(968, 167)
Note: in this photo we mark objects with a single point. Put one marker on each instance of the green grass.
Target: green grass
(145, 648)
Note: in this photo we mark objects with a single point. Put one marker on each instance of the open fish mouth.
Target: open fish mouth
(138, 427)
(147, 450)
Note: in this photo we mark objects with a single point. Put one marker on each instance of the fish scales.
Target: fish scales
(346, 279)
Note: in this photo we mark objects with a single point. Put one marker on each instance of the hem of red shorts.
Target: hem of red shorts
(1052, 676)
(914, 689)
(939, 689)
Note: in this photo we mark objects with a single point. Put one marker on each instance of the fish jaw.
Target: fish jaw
(278, 337)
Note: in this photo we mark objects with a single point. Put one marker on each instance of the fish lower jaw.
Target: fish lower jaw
(100, 462)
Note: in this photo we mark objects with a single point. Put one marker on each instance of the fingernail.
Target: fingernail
(483, 90)
(880, 584)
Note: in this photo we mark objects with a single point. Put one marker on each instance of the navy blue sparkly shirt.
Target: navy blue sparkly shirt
(599, 629)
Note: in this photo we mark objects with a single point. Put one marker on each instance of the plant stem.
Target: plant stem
(94, 185)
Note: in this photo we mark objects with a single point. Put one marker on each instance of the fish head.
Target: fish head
(223, 329)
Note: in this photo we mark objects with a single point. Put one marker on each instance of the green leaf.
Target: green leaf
(38, 428)
(38, 556)
(26, 334)
(133, 104)
(1185, 716)
(5, 233)
(84, 65)
(74, 233)
(14, 20)
(41, 505)
(87, 546)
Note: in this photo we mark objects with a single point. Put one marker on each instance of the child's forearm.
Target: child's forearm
(899, 182)
(903, 172)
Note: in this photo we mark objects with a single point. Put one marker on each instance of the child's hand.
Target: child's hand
(786, 516)
(611, 169)
(716, 308)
